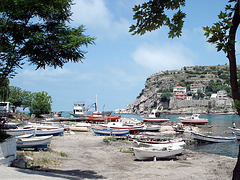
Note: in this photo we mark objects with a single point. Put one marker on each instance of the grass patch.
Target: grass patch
(125, 150)
(42, 159)
(108, 139)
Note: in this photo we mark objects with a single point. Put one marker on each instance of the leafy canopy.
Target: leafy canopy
(40, 104)
(153, 15)
(35, 31)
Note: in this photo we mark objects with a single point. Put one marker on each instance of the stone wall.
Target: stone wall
(8, 152)
(188, 103)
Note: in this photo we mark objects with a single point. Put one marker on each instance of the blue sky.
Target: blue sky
(117, 66)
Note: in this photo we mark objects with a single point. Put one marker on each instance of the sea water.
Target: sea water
(218, 125)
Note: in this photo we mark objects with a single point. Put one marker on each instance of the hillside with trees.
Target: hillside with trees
(159, 86)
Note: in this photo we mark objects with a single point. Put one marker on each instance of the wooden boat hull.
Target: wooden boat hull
(34, 142)
(101, 119)
(18, 132)
(46, 132)
(81, 129)
(157, 145)
(193, 121)
(236, 132)
(115, 132)
(211, 139)
(155, 120)
(143, 153)
(132, 129)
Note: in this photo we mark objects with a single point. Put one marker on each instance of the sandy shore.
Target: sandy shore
(91, 158)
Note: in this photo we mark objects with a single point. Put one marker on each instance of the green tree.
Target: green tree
(19, 97)
(36, 31)
(166, 94)
(15, 96)
(26, 99)
(200, 94)
(40, 104)
(151, 15)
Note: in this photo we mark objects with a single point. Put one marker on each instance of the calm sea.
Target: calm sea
(220, 124)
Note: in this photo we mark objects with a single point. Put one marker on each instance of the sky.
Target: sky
(116, 67)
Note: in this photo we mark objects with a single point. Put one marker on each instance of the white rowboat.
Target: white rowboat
(34, 142)
(212, 139)
(144, 153)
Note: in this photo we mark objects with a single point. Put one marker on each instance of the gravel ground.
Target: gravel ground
(91, 158)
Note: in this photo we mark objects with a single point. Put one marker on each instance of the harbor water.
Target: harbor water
(218, 125)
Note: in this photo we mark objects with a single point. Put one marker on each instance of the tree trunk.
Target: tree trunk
(233, 75)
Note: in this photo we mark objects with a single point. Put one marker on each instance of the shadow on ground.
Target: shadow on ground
(66, 174)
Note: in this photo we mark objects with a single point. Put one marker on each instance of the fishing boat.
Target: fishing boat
(101, 117)
(155, 116)
(44, 130)
(34, 142)
(82, 127)
(115, 132)
(152, 128)
(134, 128)
(179, 128)
(25, 136)
(211, 139)
(193, 119)
(20, 131)
(145, 153)
(137, 143)
(50, 131)
(236, 132)
(79, 110)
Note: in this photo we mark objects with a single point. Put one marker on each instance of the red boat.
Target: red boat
(98, 117)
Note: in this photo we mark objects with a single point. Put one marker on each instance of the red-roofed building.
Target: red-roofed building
(180, 96)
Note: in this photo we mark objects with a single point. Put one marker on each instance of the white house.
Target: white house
(195, 87)
(179, 90)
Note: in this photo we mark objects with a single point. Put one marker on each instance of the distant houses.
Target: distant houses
(183, 98)
(180, 93)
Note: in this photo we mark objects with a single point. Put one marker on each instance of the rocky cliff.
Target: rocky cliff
(159, 82)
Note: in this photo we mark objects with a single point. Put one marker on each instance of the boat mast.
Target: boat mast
(96, 103)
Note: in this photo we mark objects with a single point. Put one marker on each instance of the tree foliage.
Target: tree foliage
(36, 31)
(40, 104)
(153, 15)
(19, 97)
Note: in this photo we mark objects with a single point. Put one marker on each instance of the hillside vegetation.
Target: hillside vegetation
(159, 86)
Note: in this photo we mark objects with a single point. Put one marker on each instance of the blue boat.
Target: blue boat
(46, 132)
(111, 132)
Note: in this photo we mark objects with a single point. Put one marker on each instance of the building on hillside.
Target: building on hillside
(213, 96)
(222, 95)
(195, 87)
(179, 90)
(180, 96)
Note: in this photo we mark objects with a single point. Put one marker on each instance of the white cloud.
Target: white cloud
(96, 16)
(164, 57)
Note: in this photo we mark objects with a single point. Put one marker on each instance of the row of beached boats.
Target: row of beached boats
(36, 136)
